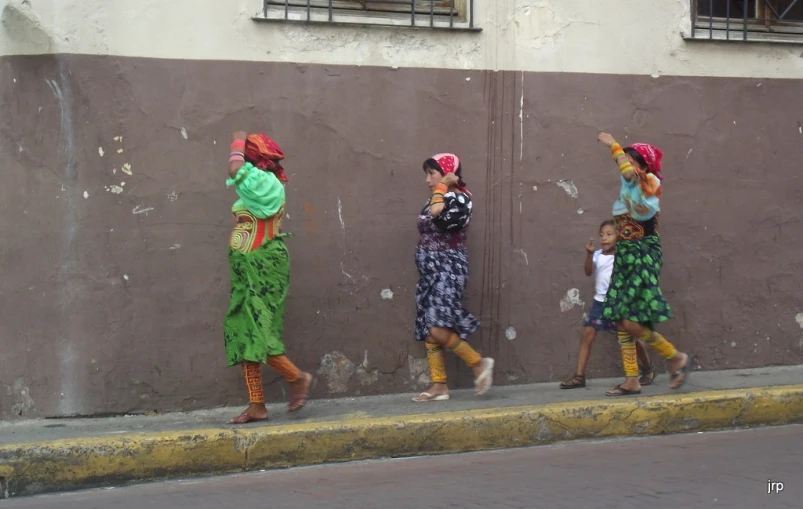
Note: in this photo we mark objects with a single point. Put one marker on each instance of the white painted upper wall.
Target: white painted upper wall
(598, 36)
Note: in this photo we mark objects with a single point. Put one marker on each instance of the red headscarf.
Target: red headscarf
(450, 163)
(652, 156)
(265, 154)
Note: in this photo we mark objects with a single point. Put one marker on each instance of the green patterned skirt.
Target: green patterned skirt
(634, 292)
(254, 322)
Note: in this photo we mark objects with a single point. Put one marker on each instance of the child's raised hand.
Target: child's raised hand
(590, 246)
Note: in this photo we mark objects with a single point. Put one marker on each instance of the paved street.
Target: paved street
(729, 470)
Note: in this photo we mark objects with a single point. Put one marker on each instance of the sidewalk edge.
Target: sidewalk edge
(61, 465)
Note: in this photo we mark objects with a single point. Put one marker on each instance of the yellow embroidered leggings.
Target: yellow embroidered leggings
(628, 346)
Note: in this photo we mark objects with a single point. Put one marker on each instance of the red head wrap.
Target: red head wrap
(449, 163)
(265, 154)
(652, 156)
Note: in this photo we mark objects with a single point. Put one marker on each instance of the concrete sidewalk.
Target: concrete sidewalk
(54, 455)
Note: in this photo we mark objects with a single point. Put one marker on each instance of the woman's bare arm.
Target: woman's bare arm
(235, 163)
(625, 167)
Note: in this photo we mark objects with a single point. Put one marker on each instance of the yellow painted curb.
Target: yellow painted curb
(61, 465)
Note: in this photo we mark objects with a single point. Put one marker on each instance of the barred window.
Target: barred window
(748, 20)
(436, 14)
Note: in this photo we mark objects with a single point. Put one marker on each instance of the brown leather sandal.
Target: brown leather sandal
(244, 418)
(647, 375)
(299, 393)
(576, 382)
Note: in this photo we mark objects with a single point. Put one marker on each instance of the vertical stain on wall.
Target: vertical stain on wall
(68, 376)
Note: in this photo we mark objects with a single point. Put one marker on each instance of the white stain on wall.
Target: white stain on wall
(569, 187)
(570, 300)
(140, 210)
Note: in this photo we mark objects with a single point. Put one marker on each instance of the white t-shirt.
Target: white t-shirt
(603, 267)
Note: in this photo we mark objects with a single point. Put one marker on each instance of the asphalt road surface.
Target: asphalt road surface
(733, 470)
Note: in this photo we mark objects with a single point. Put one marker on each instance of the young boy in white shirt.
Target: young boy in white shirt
(599, 263)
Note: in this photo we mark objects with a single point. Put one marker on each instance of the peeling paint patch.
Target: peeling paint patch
(20, 392)
(175, 246)
(338, 370)
(125, 276)
(387, 294)
(799, 320)
(569, 187)
(419, 370)
(86, 195)
(184, 133)
(114, 189)
(570, 300)
(118, 139)
(172, 196)
(127, 169)
(100, 151)
(510, 333)
(119, 151)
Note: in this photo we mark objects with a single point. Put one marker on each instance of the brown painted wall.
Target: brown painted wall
(103, 312)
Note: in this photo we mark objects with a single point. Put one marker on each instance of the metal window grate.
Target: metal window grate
(748, 20)
(434, 14)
